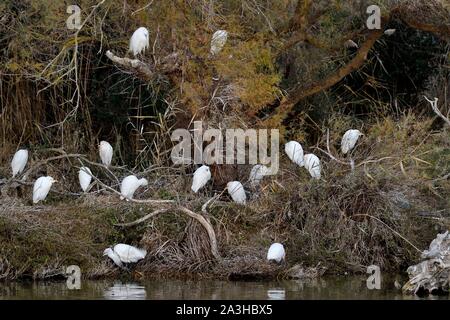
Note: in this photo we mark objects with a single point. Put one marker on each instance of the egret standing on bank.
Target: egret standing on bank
(218, 40)
(349, 140)
(294, 151)
(140, 40)
(106, 153)
(237, 192)
(85, 177)
(124, 253)
(276, 252)
(41, 188)
(201, 178)
(258, 172)
(19, 161)
(129, 185)
(312, 164)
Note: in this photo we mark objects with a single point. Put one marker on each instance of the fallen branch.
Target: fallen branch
(436, 109)
(208, 227)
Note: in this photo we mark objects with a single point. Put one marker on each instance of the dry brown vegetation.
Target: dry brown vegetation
(284, 66)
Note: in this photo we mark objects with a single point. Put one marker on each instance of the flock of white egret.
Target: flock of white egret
(123, 253)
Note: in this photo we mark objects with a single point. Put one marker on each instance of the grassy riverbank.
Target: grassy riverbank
(384, 212)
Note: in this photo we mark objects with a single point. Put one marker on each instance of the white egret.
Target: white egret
(389, 32)
(129, 185)
(85, 177)
(294, 151)
(124, 253)
(276, 252)
(258, 172)
(106, 152)
(218, 40)
(349, 140)
(140, 40)
(237, 192)
(19, 161)
(201, 177)
(41, 188)
(350, 44)
(312, 164)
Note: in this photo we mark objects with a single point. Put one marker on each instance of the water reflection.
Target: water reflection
(276, 294)
(127, 291)
(352, 287)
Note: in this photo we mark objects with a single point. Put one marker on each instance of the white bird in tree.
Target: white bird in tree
(312, 164)
(218, 40)
(276, 252)
(124, 253)
(237, 192)
(294, 151)
(350, 44)
(349, 140)
(85, 177)
(19, 161)
(129, 185)
(41, 188)
(258, 172)
(389, 32)
(140, 40)
(106, 153)
(201, 178)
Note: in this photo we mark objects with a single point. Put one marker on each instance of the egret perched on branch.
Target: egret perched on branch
(124, 253)
(258, 172)
(349, 140)
(129, 185)
(85, 177)
(201, 177)
(237, 192)
(389, 32)
(218, 40)
(276, 252)
(19, 161)
(350, 44)
(41, 188)
(294, 151)
(140, 40)
(312, 164)
(106, 152)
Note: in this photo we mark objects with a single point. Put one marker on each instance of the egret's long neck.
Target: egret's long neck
(115, 257)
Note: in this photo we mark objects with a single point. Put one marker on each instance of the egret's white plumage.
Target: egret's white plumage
(41, 188)
(19, 161)
(312, 164)
(349, 140)
(389, 32)
(258, 172)
(129, 185)
(276, 252)
(294, 151)
(351, 44)
(106, 152)
(218, 40)
(201, 177)
(124, 253)
(140, 40)
(237, 192)
(85, 177)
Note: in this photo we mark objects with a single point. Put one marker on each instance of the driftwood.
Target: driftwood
(432, 275)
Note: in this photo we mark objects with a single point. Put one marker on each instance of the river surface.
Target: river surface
(351, 287)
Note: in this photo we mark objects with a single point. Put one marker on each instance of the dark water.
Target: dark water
(326, 288)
